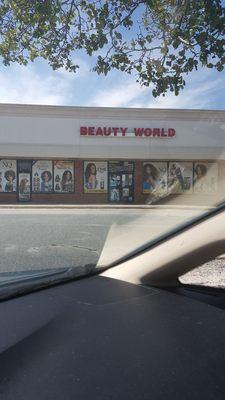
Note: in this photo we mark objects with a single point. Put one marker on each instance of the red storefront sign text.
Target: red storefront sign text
(124, 132)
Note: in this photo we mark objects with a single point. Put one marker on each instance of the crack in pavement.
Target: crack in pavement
(74, 245)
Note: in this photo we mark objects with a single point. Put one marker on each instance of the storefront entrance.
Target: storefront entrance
(121, 181)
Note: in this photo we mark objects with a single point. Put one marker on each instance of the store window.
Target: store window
(121, 181)
(154, 177)
(8, 176)
(24, 180)
(205, 177)
(180, 178)
(63, 176)
(95, 177)
(42, 176)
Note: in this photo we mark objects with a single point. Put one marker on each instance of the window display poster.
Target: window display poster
(41, 176)
(8, 176)
(121, 166)
(114, 187)
(121, 181)
(154, 177)
(114, 195)
(180, 177)
(24, 186)
(205, 177)
(95, 177)
(63, 176)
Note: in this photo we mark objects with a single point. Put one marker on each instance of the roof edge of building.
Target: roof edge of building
(11, 109)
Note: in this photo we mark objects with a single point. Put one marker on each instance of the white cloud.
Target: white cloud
(38, 84)
(202, 87)
(198, 95)
(118, 96)
(30, 85)
(82, 71)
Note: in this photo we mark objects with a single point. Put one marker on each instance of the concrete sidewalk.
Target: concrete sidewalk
(102, 206)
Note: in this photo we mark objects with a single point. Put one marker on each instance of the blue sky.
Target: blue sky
(38, 84)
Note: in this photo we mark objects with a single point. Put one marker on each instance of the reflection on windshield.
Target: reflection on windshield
(126, 237)
(178, 193)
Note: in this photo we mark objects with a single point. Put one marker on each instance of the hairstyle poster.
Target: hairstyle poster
(154, 178)
(24, 186)
(95, 177)
(63, 176)
(205, 177)
(180, 177)
(42, 176)
(8, 176)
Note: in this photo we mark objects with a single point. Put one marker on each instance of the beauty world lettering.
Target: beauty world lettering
(104, 131)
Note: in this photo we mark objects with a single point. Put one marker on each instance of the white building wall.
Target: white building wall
(54, 132)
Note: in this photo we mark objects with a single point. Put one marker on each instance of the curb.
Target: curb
(72, 207)
(101, 206)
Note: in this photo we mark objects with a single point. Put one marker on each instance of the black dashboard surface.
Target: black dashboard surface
(99, 338)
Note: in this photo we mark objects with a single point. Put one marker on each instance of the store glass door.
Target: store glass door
(121, 181)
(24, 180)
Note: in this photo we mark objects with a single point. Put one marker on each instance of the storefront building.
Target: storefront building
(86, 155)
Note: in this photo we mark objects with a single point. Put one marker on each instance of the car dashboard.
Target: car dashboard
(101, 338)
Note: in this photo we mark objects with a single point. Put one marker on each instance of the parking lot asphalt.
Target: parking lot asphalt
(42, 238)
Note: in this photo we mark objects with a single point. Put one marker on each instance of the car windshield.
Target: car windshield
(48, 238)
(96, 168)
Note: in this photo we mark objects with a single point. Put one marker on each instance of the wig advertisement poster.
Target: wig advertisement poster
(180, 177)
(154, 178)
(63, 176)
(95, 177)
(205, 177)
(42, 176)
(115, 187)
(24, 186)
(8, 176)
